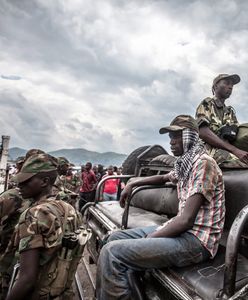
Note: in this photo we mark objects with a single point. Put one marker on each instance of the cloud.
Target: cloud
(106, 76)
(10, 77)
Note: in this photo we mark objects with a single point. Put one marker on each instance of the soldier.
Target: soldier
(12, 205)
(62, 188)
(73, 182)
(218, 125)
(45, 259)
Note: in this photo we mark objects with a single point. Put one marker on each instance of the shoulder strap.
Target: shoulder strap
(52, 206)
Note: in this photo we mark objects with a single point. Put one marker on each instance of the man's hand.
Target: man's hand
(126, 193)
(242, 155)
(151, 235)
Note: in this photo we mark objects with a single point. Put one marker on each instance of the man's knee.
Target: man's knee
(114, 236)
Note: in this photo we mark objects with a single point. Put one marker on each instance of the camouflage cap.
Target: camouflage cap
(20, 159)
(35, 164)
(63, 161)
(179, 123)
(33, 151)
(234, 77)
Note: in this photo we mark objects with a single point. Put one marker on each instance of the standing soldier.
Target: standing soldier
(61, 188)
(45, 254)
(12, 205)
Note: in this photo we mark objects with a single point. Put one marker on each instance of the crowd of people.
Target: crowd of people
(40, 219)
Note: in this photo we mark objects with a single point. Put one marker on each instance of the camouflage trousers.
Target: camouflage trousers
(67, 295)
(4, 284)
(226, 160)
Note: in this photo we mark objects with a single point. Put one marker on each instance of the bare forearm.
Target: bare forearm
(174, 228)
(212, 139)
(152, 180)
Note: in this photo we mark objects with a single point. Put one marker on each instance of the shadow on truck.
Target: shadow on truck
(224, 277)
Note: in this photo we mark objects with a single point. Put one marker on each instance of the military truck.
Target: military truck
(224, 277)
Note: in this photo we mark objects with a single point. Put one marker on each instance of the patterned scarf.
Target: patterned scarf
(192, 146)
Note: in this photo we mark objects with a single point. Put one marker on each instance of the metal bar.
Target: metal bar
(100, 184)
(79, 286)
(89, 274)
(124, 222)
(13, 276)
(241, 294)
(232, 252)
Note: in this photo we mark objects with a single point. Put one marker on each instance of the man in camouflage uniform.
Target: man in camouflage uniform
(39, 234)
(12, 205)
(218, 124)
(63, 189)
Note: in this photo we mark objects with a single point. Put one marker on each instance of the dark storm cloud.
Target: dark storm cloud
(28, 124)
(108, 75)
(40, 38)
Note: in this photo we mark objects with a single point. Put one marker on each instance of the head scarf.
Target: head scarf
(192, 146)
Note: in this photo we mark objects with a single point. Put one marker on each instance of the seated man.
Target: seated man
(190, 237)
(218, 125)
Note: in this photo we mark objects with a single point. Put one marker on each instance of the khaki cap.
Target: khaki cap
(234, 77)
(179, 123)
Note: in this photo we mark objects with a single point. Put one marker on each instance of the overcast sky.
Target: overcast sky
(106, 75)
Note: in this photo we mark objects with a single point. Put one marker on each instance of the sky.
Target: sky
(106, 75)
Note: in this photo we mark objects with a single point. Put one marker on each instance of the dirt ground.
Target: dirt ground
(87, 281)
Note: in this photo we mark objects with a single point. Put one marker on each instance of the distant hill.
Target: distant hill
(78, 156)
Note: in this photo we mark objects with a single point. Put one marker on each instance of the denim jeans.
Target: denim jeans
(128, 251)
(109, 197)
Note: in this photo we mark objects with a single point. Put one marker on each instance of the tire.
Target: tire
(130, 162)
(164, 160)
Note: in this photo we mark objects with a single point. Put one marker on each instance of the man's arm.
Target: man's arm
(183, 222)
(29, 269)
(152, 180)
(212, 139)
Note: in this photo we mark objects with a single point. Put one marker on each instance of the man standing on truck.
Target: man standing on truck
(218, 124)
(190, 237)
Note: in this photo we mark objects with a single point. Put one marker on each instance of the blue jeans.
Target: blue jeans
(109, 197)
(128, 251)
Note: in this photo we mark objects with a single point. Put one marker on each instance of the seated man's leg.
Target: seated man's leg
(119, 257)
(135, 233)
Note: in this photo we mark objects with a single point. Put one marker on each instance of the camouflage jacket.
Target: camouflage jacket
(42, 226)
(215, 114)
(65, 190)
(12, 205)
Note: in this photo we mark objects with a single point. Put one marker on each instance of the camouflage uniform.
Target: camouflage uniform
(213, 113)
(42, 226)
(11, 207)
(73, 183)
(64, 190)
